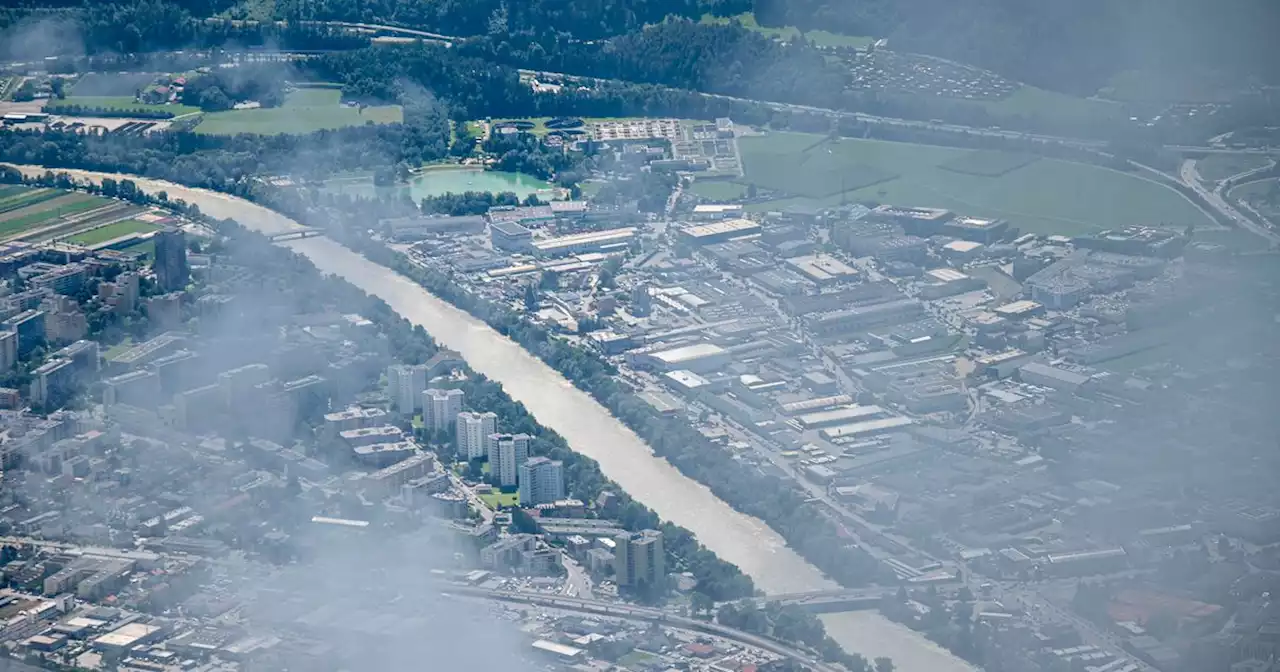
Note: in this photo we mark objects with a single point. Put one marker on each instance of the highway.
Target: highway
(1189, 175)
(649, 615)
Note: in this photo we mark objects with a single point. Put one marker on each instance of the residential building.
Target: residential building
(440, 408)
(8, 349)
(541, 481)
(170, 263)
(136, 388)
(473, 432)
(639, 559)
(30, 327)
(52, 382)
(405, 385)
(510, 452)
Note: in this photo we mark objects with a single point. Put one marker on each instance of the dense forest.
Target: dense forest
(1077, 46)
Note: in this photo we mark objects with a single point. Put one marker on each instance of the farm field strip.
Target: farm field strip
(50, 211)
(25, 199)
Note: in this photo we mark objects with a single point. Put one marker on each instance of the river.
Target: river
(591, 430)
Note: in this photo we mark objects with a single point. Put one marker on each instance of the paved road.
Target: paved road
(646, 614)
(1189, 175)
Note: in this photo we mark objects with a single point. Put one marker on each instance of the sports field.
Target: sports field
(111, 231)
(1042, 196)
(304, 111)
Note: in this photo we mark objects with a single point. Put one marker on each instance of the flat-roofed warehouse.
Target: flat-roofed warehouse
(1039, 373)
(857, 430)
(717, 232)
(839, 416)
(592, 241)
(864, 317)
(697, 357)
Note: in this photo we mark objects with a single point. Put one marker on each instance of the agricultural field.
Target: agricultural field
(1045, 196)
(33, 209)
(1216, 167)
(111, 231)
(38, 215)
(304, 111)
(115, 84)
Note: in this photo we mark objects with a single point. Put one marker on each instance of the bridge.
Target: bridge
(295, 234)
(650, 615)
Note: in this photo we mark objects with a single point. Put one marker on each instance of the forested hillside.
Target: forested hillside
(1078, 46)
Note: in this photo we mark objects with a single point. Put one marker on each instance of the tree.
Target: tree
(700, 603)
(213, 99)
(531, 299)
(884, 664)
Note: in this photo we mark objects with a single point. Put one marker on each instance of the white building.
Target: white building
(440, 407)
(405, 385)
(507, 453)
(541, 481)
(473, 431)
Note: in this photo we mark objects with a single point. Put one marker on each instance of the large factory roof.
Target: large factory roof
(728, 226)
(589, 238)
(685, 353)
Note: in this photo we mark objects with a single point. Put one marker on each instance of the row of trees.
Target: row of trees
(76, 110)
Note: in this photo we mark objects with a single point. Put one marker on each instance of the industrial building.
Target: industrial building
(839, 416)
(823, 269)
(1039, 373)
(867, 428)
(719, 232)
(510, 236)
(698, 358)
(592, 241)
(861, 318)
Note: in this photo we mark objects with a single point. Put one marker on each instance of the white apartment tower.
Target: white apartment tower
(541, 481)
(506, 453)
(440, 408)
(405, 385)
(473, 432)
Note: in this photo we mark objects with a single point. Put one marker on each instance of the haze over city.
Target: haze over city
(768, 336)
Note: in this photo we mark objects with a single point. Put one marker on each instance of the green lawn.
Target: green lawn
(820, 38)
(69, 204)
(1046, 196)
(1214, 167)
(296, 117)
(124, 103)
(718, 190)
(111, 231)
(496, 500)
(313, 97)
(146, 248)
(986, 163)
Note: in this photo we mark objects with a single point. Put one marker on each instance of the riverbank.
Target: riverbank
(589, 429)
